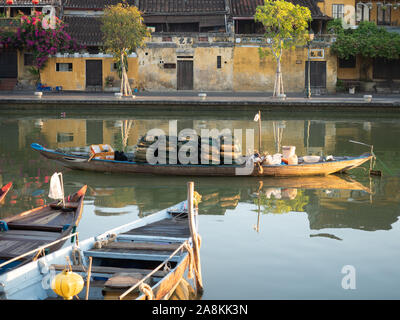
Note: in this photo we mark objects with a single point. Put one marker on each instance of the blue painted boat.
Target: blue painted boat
(154, 250)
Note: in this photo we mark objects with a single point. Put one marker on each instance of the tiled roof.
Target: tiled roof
(91, 4)
(154, 6)
(86, 30)
(247, 8)
(181, 6)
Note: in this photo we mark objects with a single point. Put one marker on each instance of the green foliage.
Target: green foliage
(123, 29)
(368, 40)
(35, 72)
(285, 25)
(273, 205)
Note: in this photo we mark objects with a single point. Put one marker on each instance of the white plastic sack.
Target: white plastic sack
(56, 190)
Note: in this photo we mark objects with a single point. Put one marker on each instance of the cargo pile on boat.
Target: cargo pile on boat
(209, 150)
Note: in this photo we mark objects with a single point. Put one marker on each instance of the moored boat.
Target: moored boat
(46, 227)
(85, 161)
(4, 190)
(143, 259)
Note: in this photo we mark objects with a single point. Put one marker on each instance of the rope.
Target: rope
(191, 260)
(147, 291)
(199, 241)
(383, 165)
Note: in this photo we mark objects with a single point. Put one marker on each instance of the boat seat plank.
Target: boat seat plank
(34, 227)
(129, 255)
(47, 217)
(111, 270)
(143, 246)
(69, 205)
(28, 235)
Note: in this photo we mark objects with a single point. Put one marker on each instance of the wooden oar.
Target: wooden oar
(91, 157)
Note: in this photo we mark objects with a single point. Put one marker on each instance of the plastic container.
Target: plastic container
(288, 151)
(311, 159)
(293, 159)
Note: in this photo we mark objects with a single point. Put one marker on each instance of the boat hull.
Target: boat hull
(38, 227)
(304, 169)
(32, 281)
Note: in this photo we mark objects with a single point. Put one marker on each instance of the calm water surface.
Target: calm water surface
(262, 238)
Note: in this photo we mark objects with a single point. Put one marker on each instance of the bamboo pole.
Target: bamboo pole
(193, 232)
(88, 278)
(37, 249)
(259, 132)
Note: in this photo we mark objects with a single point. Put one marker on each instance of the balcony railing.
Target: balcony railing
(9, 22)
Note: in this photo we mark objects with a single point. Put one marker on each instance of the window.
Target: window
(218, 62)
(169, 65)
(347, 63)
(65, 137)
(362, 12)
(338, 11)
(28, 59)
(63, 66)
(383, 15)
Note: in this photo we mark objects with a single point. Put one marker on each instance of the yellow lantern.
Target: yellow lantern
(67, 284)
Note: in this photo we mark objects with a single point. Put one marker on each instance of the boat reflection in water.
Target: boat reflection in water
(330, 202)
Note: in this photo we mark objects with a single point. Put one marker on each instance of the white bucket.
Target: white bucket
(288, 151)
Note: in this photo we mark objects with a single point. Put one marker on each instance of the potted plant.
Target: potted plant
(109, 81)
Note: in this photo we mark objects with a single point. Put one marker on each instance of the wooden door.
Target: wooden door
(8, 64)
(185, 75)
(94, 73)
(317, 74)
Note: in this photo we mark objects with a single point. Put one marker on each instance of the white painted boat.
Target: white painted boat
(156, 247)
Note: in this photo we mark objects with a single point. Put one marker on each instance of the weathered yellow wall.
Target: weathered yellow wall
(76, 80)
(207, 77)
(152, 75)
(251, 73)
(349, 73)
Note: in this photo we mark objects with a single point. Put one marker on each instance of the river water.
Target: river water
(261, 238)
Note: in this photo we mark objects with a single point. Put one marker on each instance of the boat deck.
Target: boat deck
(155, 241)
(175, 227)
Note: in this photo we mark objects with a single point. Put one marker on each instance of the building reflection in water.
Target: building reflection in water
(333, 207)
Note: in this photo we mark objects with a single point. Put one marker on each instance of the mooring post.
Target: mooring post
(88, 278)
(195, 240)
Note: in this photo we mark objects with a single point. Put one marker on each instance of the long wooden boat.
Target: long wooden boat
(82, 161)
(32, 229)
(4, 190)
(153, 250)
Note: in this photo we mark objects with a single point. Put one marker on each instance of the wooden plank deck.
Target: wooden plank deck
(164, 228)
(148, 250)
(16, 242)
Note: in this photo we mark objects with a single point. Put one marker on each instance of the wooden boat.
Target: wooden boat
(82, 161)
(30, 230)
(4, 190)
(154, 250)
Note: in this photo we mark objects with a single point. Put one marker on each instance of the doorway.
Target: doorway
(317, 75)
(94, 74)
(185, 75)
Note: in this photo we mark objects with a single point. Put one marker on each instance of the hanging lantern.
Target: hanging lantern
(9, 2)
(67, 284)
(35, 2)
